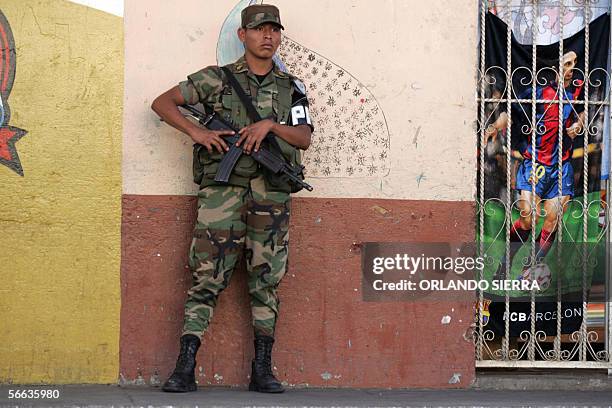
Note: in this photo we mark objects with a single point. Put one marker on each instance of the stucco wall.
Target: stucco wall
(418, 61)
(60, 222)
(92, 293)
(411, 66)
(327, 336)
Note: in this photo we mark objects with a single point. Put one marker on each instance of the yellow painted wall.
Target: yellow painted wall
(60, 223)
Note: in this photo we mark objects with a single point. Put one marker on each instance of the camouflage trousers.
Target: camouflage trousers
(233, 221)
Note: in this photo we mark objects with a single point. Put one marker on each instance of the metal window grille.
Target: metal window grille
(589, 346)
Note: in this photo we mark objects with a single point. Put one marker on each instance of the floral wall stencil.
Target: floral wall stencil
(351, 137)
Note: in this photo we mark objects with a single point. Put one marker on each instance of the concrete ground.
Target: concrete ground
(135, 396)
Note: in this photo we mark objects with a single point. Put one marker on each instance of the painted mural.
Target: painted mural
(548, 26)
(351, 135)
(61, 223)
(9, 135)
(114, 266)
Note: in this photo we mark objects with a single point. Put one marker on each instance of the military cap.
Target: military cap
(258, 14)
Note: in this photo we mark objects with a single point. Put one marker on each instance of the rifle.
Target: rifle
(273, 162)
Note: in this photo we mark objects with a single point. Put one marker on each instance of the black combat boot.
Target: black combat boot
(183, 377)
(262, 379)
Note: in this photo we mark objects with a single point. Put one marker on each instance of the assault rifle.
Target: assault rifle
(274, 162)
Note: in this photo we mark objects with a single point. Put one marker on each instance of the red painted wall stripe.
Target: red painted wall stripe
(327, 336)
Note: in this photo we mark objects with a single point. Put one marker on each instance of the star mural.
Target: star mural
(9, 135)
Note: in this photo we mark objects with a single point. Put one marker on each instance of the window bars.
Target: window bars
(544, 120)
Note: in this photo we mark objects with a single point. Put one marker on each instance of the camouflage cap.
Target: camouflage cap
(257, 14)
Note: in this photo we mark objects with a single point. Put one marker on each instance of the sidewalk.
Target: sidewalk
(114, 396)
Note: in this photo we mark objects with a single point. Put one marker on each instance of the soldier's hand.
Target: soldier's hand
(254, 134)
(211, 139)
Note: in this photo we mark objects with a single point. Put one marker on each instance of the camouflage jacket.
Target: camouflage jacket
(271, 98)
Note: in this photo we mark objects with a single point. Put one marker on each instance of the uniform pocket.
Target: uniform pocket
(205, 164)
(198, 168)
(226, 102)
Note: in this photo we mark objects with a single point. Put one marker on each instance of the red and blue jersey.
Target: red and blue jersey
(547, 122)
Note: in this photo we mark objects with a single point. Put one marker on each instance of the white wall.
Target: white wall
(417, 59)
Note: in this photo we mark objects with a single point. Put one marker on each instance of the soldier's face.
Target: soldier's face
(261, 41)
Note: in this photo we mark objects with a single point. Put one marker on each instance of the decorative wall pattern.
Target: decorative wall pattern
(351, 136)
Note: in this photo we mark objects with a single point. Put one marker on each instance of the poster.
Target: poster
(535, 143)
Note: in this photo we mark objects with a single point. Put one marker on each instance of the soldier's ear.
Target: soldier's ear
(241, 34)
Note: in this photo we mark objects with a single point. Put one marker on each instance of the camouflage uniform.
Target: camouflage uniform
(248, 213)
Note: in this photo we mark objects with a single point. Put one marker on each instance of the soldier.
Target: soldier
(249, 214)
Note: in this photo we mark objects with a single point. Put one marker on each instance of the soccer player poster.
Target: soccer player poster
(540, 156)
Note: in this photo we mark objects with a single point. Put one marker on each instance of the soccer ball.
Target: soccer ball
(539, 272)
